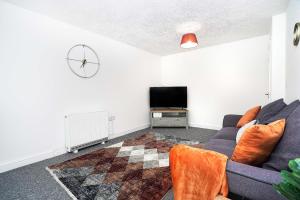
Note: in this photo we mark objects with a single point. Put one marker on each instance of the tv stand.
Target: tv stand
(169, 117)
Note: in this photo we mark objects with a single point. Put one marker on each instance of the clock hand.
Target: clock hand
(83, 63)
(83, 51)
(74, 59)
(92, 63)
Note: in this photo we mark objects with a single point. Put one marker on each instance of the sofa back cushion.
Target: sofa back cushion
(288, 147)
(269, 111)
(285, 112)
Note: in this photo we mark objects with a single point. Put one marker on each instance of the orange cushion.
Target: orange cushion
(257, 143)
(248, 116)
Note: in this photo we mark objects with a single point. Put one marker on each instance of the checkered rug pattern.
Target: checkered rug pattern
(136, 169)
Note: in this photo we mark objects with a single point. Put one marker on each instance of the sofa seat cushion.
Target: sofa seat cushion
(288, 147)
(220, 145)
(227, 133)
(252, 182)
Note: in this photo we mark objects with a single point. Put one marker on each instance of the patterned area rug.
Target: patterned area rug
(136, 169)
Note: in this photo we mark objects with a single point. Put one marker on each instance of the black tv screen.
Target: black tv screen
(167, 97)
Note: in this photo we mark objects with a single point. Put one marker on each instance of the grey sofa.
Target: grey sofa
(255, 182)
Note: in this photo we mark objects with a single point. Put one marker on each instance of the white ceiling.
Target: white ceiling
(157, 25)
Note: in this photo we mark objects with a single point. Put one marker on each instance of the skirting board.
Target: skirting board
(52, 153)
(13, 164)
(30, 159)
(115, 135)
(206, 126)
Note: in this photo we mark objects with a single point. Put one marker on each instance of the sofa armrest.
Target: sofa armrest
(252, 182)
(231, 120)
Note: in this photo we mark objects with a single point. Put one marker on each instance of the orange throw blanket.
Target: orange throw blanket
(197, 174)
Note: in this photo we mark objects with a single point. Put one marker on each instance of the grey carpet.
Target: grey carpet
(34, 182)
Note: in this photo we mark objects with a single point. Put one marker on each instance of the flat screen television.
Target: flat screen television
(168, 97)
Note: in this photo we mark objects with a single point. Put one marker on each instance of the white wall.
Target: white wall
(223, 79)
(38, 88)
(278, 57)
(293, 53)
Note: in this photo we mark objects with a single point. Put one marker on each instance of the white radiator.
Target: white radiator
(85, 129)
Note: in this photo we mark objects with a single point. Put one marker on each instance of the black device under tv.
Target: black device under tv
(168, 97)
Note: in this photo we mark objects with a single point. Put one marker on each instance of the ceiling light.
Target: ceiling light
(188, 40)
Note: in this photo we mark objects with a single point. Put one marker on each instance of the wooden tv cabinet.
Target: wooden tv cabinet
(169, 117)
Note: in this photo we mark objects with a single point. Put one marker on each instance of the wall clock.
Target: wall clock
(296, 34)
(83, 61)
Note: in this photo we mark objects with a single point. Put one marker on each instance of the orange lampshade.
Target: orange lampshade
(188, 40)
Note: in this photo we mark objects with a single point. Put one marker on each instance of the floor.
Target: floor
(34, 182)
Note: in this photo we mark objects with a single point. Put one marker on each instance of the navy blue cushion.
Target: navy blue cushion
(269, 111)
(288, 146)
(285, 112)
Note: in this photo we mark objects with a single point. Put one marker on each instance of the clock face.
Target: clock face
(296, 34)
(83, 61)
